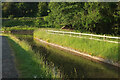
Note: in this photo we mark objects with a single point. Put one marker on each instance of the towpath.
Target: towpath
(8, 65)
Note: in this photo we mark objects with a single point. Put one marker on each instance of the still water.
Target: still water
(72, 66)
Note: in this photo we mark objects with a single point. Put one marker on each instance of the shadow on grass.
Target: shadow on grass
(26, 63)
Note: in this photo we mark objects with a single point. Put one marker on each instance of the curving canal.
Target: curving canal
(72, 66)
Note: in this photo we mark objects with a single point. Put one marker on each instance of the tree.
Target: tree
(42, 9)
(19, 9)
(8, 9)
(25, 9)
(85, 16)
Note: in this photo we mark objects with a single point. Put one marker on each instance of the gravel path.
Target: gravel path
(8, 66)
(0, 57)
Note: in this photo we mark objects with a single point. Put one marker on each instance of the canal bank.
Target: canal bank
(99, 50)
(94, 58)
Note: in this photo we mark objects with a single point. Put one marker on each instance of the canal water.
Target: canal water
(69, 64)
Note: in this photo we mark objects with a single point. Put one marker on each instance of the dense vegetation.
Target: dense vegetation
(95, 17)
(18, 22)
(14, 9)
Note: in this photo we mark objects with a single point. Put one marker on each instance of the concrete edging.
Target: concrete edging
(83, 54)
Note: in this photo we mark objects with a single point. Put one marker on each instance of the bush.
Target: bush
(18, 22)
(40, 22)
(11, 17)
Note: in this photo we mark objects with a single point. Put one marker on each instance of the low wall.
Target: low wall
(22, 32)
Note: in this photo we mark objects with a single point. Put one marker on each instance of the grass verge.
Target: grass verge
(105, 50)
(29, 63)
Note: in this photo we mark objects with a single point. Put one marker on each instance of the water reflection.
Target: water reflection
(72, 66)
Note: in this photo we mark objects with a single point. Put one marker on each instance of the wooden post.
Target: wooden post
(80, 35)
(104, 37)
(91, 36)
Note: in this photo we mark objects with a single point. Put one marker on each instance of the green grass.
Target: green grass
(102, 49)
(29, 63)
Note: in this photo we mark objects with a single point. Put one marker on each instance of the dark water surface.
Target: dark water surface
(72, 66)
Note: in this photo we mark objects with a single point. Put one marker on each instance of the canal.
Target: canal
(69, 64)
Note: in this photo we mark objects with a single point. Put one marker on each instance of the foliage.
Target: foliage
(93, 17)
(97, 17)
(42, 9)
(19, 9)
(18, 22)
(40, 22)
